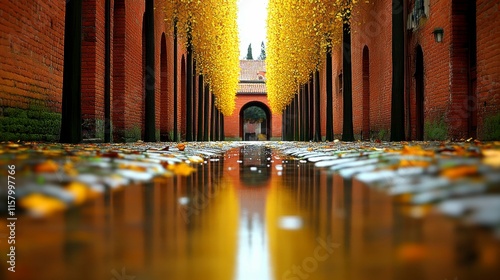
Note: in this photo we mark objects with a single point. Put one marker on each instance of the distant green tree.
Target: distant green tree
(254, 114)
(262, 55)
(249, 52)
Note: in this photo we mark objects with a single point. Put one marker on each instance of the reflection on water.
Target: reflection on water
(250, 215)
(253, 185)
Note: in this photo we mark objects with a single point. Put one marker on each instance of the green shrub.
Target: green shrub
(36, 123)
(13, 112)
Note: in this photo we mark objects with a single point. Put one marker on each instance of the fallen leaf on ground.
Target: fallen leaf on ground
(48, 166)
(133, 167)
(414, 163)
(40, 204)
(80, 191)
(491, 157)
(181, 169)
(459, 171)
(416, 150)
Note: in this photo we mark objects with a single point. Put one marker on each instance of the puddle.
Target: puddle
(252, 214)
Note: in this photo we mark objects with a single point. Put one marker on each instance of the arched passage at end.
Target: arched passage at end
(257, 130)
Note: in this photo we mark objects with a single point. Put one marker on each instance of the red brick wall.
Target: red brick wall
(459, 108)
(232, 123)
(181, 101)
(375, 34)
(128, 91)
(488, 61)
(134, 71)
(31, 53)
(445, 68)
(31, 64)
(372, 28)
(93, 50)
(337, 93)
(322, 105)
(436, 57)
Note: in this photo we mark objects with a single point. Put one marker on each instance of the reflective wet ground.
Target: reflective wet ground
(251, 214)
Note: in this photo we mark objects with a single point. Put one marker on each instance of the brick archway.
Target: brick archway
(268, 121)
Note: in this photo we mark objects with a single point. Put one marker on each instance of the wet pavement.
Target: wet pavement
(273, 210)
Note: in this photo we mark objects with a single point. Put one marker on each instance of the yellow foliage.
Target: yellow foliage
(299, 33)
(211, 30)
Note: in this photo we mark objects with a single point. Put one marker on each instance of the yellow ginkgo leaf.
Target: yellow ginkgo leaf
(182, 169)
(41, 205)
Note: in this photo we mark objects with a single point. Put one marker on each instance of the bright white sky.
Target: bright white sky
(252, 25)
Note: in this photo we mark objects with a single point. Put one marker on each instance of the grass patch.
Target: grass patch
(382, 135)
(492, 128)
(133, 134)
(435, 130)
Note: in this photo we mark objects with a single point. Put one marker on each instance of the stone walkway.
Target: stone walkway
(460, 179)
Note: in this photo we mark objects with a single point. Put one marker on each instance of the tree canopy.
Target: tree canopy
(212, 28)
(299, 33)
(254, 114)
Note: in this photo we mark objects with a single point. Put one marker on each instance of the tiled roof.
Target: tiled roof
(252, 77)
(252, 69)
(252, 88)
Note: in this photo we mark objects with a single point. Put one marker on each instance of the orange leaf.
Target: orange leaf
(416, 150)
(491, 157)
(181, 146)
(181, 169)
(413, 163)
(79, 190)
(48, 166)
(41, 204)
(459, 171)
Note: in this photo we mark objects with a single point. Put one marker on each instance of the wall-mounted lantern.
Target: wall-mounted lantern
(438, 34)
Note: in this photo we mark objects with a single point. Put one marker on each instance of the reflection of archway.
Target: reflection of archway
(255, 167)
(419, 94)
(164, 90)
(265, 126)
(366, 94)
